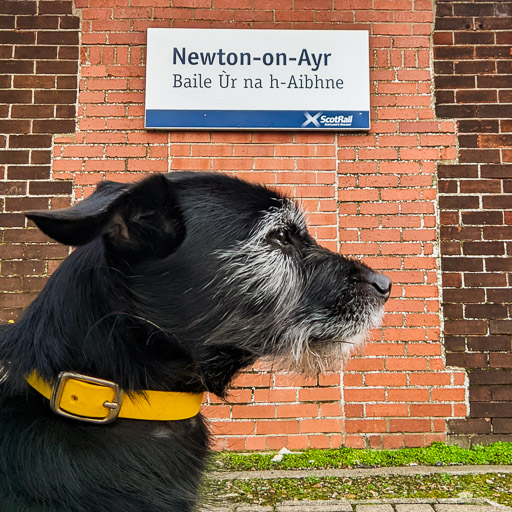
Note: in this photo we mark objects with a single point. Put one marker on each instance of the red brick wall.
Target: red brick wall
(473, 80)
(38, 91)
(371, 195)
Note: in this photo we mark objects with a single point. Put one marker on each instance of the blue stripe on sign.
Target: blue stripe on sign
(270, 119)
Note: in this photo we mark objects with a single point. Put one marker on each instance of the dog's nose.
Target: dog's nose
(381, 283)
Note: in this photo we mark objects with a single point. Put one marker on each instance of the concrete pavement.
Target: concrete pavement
(381, 505)
(397, 505)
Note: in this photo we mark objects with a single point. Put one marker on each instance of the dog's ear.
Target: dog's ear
(85, 220)
(134, 220)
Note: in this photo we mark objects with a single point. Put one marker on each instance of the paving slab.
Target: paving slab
(360, 472)
(253, 508)
(469, 508)
(315, 506)
(394, 505)
(375, 508)
(414, 507)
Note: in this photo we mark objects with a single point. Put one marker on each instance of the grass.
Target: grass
(496, 487)
(437, 454)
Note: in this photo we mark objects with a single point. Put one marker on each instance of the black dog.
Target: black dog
(178, 282)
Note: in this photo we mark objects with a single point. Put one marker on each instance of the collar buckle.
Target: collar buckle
(112, 407)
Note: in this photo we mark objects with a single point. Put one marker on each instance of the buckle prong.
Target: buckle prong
(112, 408)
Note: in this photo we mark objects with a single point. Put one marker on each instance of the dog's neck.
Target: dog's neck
(82, 321)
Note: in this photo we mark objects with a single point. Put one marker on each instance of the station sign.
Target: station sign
(234, 79)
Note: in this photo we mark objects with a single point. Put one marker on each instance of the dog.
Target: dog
(177, 282)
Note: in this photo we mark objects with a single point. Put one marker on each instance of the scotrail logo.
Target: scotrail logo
(319, 120)
(311, 119)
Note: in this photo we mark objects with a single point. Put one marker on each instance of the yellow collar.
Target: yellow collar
(101, 401)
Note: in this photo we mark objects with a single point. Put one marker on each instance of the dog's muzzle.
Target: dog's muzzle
(381, 285)
(100, 401)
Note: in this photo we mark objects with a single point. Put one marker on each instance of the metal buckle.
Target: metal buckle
(113, 408)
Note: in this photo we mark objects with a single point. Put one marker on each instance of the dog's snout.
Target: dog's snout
(381, 283)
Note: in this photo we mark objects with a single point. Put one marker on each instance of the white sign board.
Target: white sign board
(257, 79)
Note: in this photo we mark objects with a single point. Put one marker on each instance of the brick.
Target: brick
(10, 220)
(500, 326)
(65, 67)
(494, 111)
(15, 7)
(69, 22)
(319, 394)
(501, 360)
(409, 425)
(482, 186)
(459, 202)
(501, 392)
(364, 395)
(65, 111)
(491, 376)
(17, 66)
(17, 37)
(30, 141)
(458, 233)
(482, 218)
(30, 81)
(364, 426)
(14, 97)
(479, 394)
(456, 111)
(25, 203)
(462, 264)
(57, 37)
(497, 201)
(253, 411)
(488, 410)
(498, 264)
(50, 188)
(32, 111)
(385, 379)
(502, 425)
(14, 157)
(458, 171)
(55, 7)
(431, 410)
(497, 295)
(55, 96)
(489, 343)
(54, 126)
(496, 171)
(297, 411)
(470, 426)
(467, 360)
(66, 82)
(483, 248)
(479, 155)
(277, 427)
(29, 172)
(478, 96)
(486, 311)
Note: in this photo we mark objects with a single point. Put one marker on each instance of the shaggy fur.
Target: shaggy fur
(177, 283)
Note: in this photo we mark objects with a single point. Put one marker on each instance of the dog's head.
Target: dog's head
(220, 269)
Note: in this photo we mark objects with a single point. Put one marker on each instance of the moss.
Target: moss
(496, 487)
(437, 454)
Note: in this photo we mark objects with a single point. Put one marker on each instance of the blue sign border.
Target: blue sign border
(258, 119)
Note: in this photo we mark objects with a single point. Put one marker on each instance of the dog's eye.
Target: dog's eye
(280, 236)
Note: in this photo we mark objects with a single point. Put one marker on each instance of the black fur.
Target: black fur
(150, 300)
